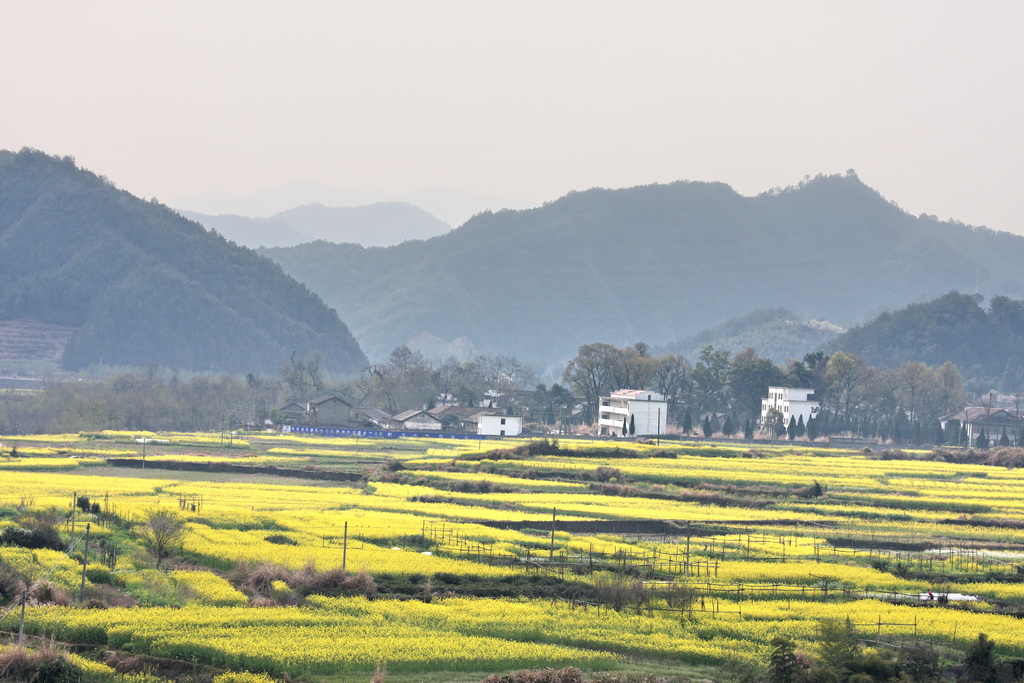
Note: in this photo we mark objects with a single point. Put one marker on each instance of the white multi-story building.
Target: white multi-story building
(791, 402)
(647, 410)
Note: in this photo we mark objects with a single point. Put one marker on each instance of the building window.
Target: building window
(503, 422)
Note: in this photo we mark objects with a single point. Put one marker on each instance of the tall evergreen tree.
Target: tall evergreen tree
(982, 440)
(791, 429)
(728, 429)
(687, 422)
(900, 424)
(980, 660)
(1004, 440)
(884, 429)
(940, 434)
(632, 425)
(625, 426)
(824, 424)
(801, 428)
(963, 439)
(748, 429)
(952, 431)
(918, 436)
(706, 426)
(812, 428)
(783, 664)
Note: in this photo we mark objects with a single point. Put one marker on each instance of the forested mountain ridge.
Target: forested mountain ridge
(141, 284)
(653, 263)
(987, 344)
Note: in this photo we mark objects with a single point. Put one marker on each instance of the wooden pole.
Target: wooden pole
(344, 551)
(85, 562)
(25, 598)
(551, 554)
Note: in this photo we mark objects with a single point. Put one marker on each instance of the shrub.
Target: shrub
(11, 584)
(280, 539)
(242, 677)
(98, 573)
(45, 663)
(42, 537)
(100, 595)
(569, 674)
(620, 591)
(920, 662)
(47, 593)
(604, 473)
(259, 580)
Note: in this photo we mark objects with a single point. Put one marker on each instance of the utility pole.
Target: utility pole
(659, 426)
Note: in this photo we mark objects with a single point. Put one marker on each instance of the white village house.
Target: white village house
(791, 402)
(499, 425)
(647, 410)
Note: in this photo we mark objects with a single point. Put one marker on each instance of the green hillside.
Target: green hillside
(140, 284)
(654, 263)
(987, 344)
(776, 334)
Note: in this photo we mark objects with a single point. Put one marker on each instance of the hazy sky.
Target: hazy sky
(527, 100)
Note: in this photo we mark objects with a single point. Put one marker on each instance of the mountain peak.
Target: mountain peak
(140, 284)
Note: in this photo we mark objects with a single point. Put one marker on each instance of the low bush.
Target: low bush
(280, 539)
(40, 538)
(569, 674)
(47, 593)
(45, 663)
(11, 584)
(258, 580)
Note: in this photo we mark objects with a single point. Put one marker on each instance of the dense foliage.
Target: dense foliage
(143, 285)
(653, 263)
(986, 344)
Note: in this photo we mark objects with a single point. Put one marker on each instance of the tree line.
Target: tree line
(720, 392)
(723, 391)
(156, 399)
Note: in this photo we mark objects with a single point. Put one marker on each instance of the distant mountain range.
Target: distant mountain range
(376, 225)
(453, 207)
(133, 283)
(655, 263)
(775, 333)
(103, 277)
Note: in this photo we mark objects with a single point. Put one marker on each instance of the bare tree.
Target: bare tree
(162, 530)
(845, 376)
(303, 378)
